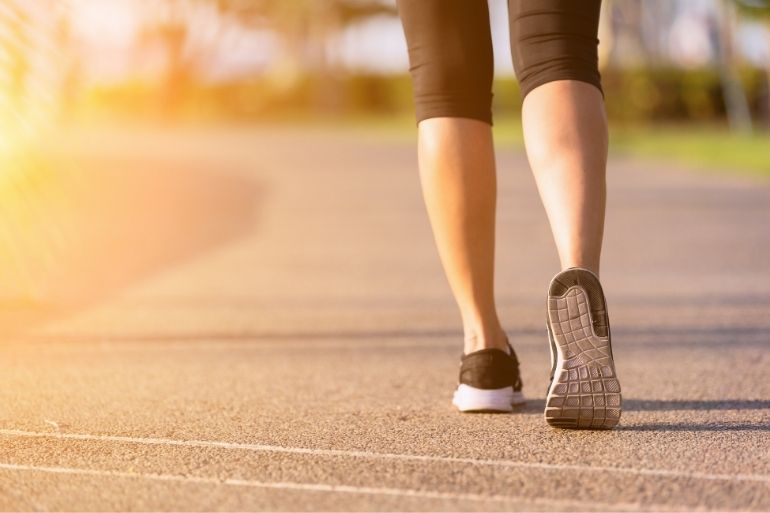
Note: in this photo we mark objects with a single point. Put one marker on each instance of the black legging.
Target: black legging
(450, 50)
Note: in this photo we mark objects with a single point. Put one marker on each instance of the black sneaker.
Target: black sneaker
(489, 381)
(584, 391)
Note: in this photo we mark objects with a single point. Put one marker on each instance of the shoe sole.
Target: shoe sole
(470, 399)
(585, 391)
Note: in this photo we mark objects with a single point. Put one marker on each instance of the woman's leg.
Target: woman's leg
(554, 49)
(450, 56)
(565, 133)
(457, 172)
(565, 130)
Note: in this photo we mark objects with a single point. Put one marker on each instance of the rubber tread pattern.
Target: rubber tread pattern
(584, 391)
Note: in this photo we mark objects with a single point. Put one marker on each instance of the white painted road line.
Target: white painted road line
(361, 490)
(761, 478)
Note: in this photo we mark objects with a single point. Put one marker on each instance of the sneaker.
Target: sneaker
(489, 382)
(584, 391)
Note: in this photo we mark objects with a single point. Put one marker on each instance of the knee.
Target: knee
(452, 87)
(554, 40)
(450, 57)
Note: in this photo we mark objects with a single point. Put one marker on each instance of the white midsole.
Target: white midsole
(468, 398)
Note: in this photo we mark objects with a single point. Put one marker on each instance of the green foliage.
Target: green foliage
(759, 9)
(632, 96)
(673, 94)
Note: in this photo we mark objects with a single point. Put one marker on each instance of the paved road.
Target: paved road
(257, 320)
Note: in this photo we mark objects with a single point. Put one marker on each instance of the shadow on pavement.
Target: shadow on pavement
(692, 426)
(676, 405)
(537, 405)
(687, 335)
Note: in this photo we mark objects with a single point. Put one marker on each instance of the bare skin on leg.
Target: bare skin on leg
(565, 134)
(457, 173)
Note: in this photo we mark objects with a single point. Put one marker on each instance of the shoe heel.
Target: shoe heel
(585, 392)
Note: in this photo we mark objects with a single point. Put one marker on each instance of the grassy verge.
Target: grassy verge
(706, 147)
(709, 148)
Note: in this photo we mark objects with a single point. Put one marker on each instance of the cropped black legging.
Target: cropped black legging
(450, 50)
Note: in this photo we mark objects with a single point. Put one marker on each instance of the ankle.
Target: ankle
(476, 340)
(591, 266)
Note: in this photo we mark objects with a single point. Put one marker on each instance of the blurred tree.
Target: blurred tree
(71, 65)
(173, 27)
(723, 34)
(307, 29)
(168, 27)
(760, 10)
(627, 44)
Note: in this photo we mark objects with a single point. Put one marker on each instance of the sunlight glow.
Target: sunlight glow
(30, 82)
(112, 23)
(28, 72)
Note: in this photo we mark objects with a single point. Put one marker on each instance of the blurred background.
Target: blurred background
(686, 81)
(665, 61)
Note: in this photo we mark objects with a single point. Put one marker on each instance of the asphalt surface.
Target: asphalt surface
(257, 319)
